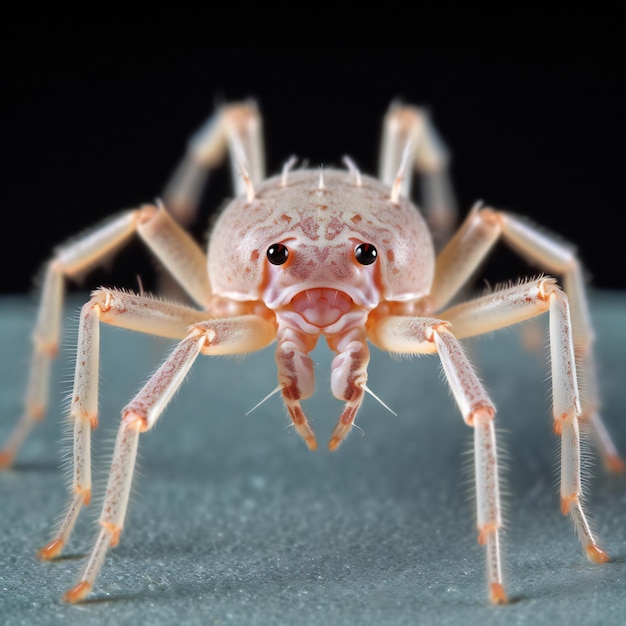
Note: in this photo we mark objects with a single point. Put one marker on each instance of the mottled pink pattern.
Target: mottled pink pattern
(320, 227)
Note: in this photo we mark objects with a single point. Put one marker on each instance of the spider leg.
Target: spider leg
(241, 334)
(469, 247)
(513, 305)
(176, 250)
(409, 127)
(236, 128)
(413, 335)
(68, 261)
(137, 417)
(123, 310)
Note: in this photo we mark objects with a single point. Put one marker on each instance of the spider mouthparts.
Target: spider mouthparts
(304, 430)
(339, 434)
(334, 443)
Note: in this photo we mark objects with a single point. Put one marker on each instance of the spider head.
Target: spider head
(321, 231)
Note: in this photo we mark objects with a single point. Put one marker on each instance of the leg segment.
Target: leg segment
(478, 412)
(236, 128)
(71, 260)
(470, 246)
(172, 245)
(137, 417)
(225, 336)
(411, 126)
(414, 335)
(123, 310)
(489, 518)
(177, 252)
(566, 412)
(513, 305)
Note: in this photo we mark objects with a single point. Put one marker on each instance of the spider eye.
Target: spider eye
(277, 254)
(365, 253)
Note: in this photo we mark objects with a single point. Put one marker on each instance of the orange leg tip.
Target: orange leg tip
(311, 443)
(615, 464)
(497, 595)
(597, 555)
(77, 593)
(51, 551)
(6, 458)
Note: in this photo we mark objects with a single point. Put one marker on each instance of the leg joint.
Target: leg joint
(439, 328)
(481, 414)
(100, 301)
(547, 288)
(491, 217)
(145, 213)
(135, 417)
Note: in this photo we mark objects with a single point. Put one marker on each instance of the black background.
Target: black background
(89, 129)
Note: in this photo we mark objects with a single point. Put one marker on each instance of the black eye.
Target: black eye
(365, 253)
(277, 254)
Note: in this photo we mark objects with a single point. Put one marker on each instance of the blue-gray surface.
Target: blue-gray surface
(234, 521)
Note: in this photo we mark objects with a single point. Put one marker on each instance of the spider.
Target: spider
(310, 253)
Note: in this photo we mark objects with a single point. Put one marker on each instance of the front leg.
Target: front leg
(236, 335)
(139, 416)
(415, 335)
(123, 310)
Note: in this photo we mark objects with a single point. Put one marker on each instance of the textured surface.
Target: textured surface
(233, 521)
